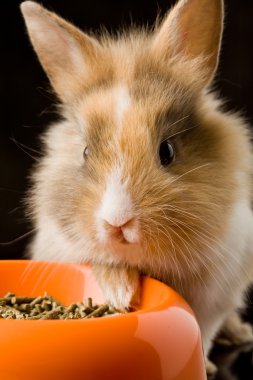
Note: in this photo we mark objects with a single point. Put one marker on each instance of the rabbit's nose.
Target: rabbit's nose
(118, 231)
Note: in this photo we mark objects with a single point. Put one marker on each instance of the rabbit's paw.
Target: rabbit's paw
(211, 369)
(236, 332)
(120, 286)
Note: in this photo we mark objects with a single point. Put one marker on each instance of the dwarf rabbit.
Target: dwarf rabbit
(144, 173)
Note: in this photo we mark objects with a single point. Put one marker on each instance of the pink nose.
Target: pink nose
(117, 231)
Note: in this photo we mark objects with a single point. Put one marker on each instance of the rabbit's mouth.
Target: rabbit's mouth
(118, 238)
(118, 233)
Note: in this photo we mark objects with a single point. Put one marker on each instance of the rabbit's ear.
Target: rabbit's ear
(193, 28)
(63, 50)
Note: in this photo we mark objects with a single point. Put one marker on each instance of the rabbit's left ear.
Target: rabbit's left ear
(65, 52)
(193, 28)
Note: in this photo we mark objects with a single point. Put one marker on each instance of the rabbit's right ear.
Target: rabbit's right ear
(63, 50)
(193, 30)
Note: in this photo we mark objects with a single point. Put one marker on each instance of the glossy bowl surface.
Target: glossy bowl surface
(160, 341)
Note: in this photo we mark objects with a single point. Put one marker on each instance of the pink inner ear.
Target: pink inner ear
(55, 46)
(61, 34)
(55, 39)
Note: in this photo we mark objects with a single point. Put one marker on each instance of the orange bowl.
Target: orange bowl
(159, 341)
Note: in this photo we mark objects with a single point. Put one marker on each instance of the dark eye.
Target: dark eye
(166, 153)
(85, 152)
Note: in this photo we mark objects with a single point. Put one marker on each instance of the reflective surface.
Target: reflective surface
(160, 341)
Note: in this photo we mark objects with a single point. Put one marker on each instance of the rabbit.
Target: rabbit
(145, 173)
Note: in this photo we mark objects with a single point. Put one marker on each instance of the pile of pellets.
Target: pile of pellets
(46, 307)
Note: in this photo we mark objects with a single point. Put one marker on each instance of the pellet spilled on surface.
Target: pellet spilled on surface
(47, 307)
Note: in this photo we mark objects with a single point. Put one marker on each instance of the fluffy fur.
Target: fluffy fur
(189, 224)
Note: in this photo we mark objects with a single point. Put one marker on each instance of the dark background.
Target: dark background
(27, 105)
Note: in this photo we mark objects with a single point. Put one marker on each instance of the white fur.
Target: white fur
(126, 284)
(51, 243)
(116, 207)
(122, 103)
(223, 294)
(240, 228)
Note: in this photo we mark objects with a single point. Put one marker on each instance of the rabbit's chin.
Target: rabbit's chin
(121, 252)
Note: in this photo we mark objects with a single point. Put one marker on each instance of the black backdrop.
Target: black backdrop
(26, 104)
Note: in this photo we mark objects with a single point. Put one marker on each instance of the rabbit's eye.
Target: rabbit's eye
(85, 152)
(166, 153)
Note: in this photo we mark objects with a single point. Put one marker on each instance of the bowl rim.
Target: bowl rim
(159, 307)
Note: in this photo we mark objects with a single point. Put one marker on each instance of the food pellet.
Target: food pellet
(46, 307)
